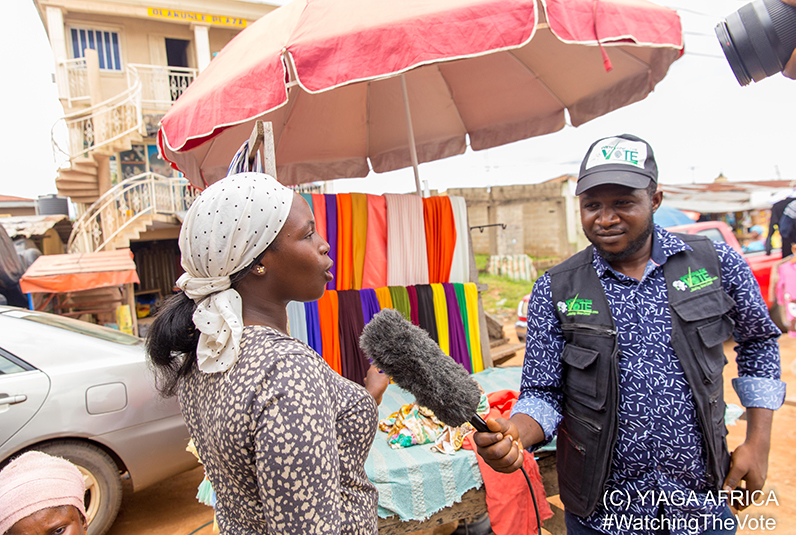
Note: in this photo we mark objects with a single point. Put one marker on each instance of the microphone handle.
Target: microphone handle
(479, 424)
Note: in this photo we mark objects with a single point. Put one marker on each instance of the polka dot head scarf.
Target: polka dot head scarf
(229, 225)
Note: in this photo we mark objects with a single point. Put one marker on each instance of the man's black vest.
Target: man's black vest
(700, 324)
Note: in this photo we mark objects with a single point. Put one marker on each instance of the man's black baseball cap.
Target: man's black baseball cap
(625, 159)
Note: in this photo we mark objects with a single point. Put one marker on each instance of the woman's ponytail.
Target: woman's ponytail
(171, 343)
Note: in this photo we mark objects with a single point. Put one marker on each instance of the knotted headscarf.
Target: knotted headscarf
(229, 225)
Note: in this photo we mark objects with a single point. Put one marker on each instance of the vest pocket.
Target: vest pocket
(574, 434)
(584, 372)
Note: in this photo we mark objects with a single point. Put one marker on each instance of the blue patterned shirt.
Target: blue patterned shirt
(659, 452)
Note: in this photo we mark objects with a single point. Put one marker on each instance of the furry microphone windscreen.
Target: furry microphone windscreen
(417, 364)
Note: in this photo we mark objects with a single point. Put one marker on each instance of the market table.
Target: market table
(420, 489)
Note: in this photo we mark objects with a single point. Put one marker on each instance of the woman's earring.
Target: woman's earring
(260, 270)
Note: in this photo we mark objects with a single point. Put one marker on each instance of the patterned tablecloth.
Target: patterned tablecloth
(415, 482)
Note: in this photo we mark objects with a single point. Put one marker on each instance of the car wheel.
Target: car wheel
(103, 483)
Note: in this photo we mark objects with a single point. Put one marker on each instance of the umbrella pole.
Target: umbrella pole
(412, 148)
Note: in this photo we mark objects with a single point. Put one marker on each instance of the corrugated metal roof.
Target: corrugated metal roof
(36, 225)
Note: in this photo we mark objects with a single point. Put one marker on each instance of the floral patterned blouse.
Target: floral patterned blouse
(284, 440)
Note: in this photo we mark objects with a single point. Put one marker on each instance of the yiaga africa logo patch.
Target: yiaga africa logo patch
(694, 280)
(576, 307)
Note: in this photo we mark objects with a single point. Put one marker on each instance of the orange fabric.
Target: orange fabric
(374, 274)
(345, 257)
(440, 237)
(508, 499)
(359, 227)
(60, 273)
(319, 211)
(328, 311)
(384, 296)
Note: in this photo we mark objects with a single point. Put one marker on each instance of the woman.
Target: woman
(283, 438)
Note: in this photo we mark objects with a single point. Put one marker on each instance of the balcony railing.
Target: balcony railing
(126, 204)
(161, 86)
(75, 76)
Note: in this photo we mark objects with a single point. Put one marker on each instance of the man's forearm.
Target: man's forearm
(530, 431)
(758, 428)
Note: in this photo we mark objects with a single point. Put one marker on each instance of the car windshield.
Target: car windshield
(69, 324)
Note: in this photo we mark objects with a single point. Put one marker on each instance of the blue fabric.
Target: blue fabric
(416, 482)
(308, 197)
(370, 304)
(313, 327)
(659, 444)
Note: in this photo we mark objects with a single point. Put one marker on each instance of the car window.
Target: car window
(81, 327)
(713, 234)
(7, 367)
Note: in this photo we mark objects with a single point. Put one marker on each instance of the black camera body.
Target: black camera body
(758, 39)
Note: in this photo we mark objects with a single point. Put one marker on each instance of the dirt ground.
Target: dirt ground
(170, 508)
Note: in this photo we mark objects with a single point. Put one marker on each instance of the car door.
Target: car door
(23, 389)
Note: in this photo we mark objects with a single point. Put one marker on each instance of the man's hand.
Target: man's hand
(501, 449)
(750, 459)
(790, 67)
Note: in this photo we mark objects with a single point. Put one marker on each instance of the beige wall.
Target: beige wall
(537, 219)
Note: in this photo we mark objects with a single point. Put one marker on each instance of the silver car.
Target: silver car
(85, 393)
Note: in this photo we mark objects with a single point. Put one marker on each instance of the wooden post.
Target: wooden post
(130, 299)
(262, 139)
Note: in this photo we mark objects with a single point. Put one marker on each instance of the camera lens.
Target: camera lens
(758, 39)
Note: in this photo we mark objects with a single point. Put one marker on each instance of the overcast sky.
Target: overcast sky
(699, 121)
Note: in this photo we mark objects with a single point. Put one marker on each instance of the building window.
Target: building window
(105, 43)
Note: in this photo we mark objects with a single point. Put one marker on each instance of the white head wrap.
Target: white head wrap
(229, 225)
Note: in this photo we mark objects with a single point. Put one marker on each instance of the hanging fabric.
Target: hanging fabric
(460, 262)
(384, 296)
(319, 211)
(354, 364)
(462, 300)
(314, 338)
(427, 319)
(297, 321)
(308, 197)
(240, 162)
(471, 297)
(407, 258)
(458, 343)
(328, 318)
(345, 253)
(374, 272)
(359, 226)
(412, 293)
(400, 301)
(370, 304)
(441, 313)
(331, 233)
(440, 229)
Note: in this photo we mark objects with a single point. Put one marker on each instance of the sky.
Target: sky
(699, 121)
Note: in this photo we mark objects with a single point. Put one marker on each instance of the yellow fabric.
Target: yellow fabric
(471, 298)
(441, 313)
(384, 297)
(359, 227)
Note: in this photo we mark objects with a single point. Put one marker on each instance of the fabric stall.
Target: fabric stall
(391, 251)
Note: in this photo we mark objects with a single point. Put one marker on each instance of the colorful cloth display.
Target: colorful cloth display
(359, 226)
(456, 337)
(374, 273)
(407, 258)
(345, 243)
(441, 313)
(400, 301)
(297, 321)
(328, 318)
(460, 263)
(427, 319)
(314, 338)
(354, 364)
(331, 236)
(319, 211)
(384, 296)
(440, 237)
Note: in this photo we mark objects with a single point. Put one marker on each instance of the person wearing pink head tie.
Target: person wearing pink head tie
(41, 494)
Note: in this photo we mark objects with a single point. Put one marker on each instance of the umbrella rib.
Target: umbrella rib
(450, 96)
(538, 79)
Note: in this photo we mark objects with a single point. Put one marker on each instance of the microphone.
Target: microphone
(418, 365)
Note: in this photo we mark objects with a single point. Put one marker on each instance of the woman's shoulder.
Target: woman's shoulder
(264, 345)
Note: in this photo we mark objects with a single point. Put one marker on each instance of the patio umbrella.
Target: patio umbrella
(668, 216)
(351, 85)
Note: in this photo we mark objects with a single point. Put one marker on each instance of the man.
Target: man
(624, 361)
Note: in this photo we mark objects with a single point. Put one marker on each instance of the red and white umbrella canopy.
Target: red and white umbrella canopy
(326, 73)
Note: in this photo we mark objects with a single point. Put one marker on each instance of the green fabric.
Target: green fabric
(308, 197)
(400, 301)
(459, 288)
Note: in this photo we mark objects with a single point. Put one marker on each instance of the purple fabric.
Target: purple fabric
(331, 236)
(370, 304)
(458, 342)
(412, 291)
(313, 327)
